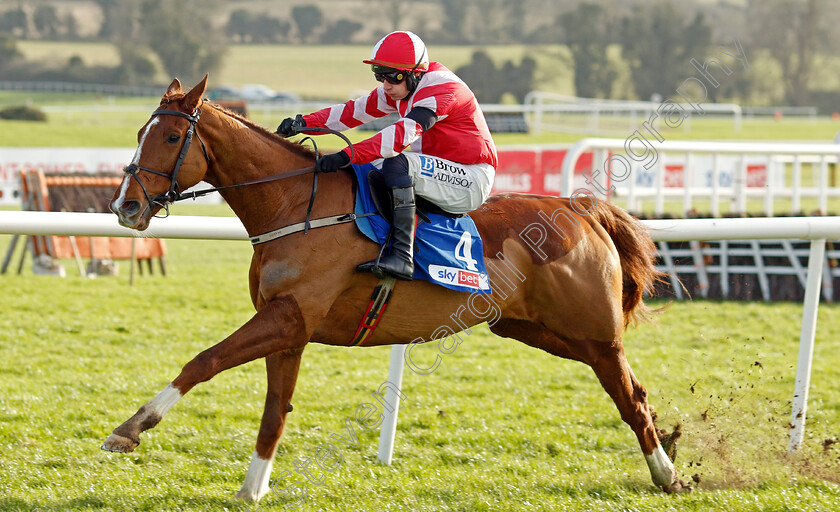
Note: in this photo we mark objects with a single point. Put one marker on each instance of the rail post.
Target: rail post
(806, 344)
(389, 424)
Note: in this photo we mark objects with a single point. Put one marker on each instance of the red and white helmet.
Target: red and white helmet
(400, 50)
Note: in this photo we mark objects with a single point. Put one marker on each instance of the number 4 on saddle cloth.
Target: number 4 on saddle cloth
(447, 249)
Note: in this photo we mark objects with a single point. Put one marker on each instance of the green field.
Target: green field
(499, 426)
(335, 72)
(313, 71)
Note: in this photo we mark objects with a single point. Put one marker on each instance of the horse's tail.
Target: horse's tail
(637, 253)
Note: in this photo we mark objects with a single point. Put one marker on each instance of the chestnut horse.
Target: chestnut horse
(567, 274)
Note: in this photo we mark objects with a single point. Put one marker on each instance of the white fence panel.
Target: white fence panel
(572, 114)
(717, 171)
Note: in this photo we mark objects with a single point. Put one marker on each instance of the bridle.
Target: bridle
(173, 194)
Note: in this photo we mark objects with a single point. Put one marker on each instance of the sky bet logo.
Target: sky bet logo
(459, 277)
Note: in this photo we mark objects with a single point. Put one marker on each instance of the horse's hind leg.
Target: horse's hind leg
(608, 361)
(611, 366)
(282, 370)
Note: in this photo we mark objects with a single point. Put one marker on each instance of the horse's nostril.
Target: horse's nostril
(130, 207)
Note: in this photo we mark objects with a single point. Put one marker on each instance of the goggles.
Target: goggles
(393, 76)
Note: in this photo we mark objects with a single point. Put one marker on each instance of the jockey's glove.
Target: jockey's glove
(331, 163)
(289, 126)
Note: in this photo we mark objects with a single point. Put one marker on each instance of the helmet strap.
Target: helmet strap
(411, 80)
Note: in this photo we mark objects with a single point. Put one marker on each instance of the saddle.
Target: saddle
(448, 248)
(382, 199)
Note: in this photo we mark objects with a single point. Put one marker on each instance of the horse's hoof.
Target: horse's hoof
(118, 443)
(678, 487)
(251, 495)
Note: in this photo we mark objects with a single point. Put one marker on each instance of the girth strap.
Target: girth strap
(379, 300)
(301, 226)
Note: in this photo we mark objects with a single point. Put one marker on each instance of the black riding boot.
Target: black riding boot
(400, 262)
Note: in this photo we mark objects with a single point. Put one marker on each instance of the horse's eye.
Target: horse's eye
(173, 139)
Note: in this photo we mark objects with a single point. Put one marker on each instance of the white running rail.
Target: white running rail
(651, 157)
(816, 229)
(572, 114)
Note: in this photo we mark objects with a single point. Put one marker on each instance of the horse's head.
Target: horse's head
(166, 161)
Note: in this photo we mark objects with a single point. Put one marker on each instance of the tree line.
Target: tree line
(651, 40)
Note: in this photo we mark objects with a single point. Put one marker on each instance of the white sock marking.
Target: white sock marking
(255, 485)
(661, 469)
(165, 400)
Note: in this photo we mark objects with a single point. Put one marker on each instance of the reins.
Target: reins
(274, 177)
(174, 195)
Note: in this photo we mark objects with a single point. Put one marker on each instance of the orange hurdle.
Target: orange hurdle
(80, 193)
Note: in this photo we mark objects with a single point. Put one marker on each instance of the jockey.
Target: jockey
(453, 157)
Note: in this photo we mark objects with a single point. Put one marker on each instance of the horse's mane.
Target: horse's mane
(295, 147)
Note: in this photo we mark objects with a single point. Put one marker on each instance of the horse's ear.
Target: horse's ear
(174, 88)
(193, 98)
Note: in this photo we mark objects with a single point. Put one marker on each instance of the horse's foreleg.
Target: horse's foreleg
(277, 326)
(282, 370)
(611, 366)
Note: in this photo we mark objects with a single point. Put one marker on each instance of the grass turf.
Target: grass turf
(498, 426)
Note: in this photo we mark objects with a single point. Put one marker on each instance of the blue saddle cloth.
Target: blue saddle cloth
(448, 251)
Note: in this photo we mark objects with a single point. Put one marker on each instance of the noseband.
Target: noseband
(173, 194)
